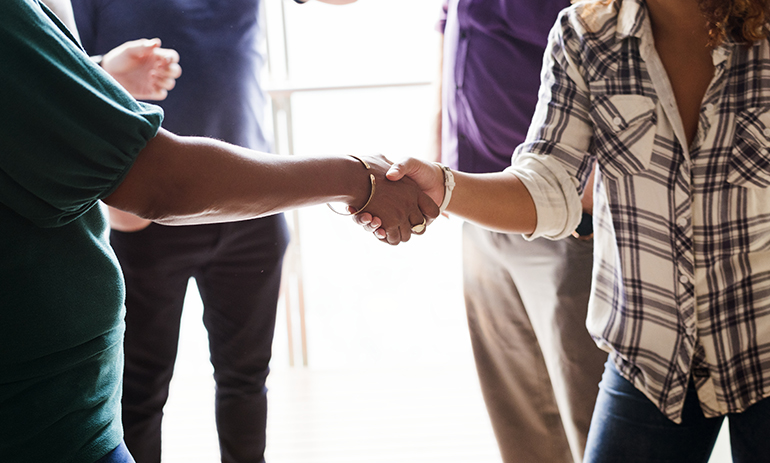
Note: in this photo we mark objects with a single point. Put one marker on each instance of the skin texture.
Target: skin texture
(188, 180)
(500, 201)
(143, 68)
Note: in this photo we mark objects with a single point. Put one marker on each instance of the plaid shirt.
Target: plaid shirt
(682, 264)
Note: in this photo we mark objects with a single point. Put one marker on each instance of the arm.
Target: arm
(147, 72)
(188, 180)
(498, 201)
(540, 194)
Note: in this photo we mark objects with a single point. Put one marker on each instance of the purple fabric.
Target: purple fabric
(488, 107)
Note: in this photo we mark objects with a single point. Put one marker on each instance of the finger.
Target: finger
(363, 218)
(405, 232)
(148, 46)
(395, 235)
(167, 71)
(165, 83)
(428, 207)
(375, 224)
(402, 169)
(156, 94)
(406, 168)
(396, 172)
(168, 55)
(380, 234)
(368, 222)
(419, 224)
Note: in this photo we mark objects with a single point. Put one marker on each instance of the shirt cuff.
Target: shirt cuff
(554, 192)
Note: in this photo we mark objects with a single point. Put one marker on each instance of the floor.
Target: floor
(369, 394)
(390, 378)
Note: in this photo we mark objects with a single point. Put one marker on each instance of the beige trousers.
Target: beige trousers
(539, 369)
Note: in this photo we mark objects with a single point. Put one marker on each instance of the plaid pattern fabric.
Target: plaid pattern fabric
(682, 241)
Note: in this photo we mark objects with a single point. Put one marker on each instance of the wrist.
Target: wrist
(448, 180)
(361, 194)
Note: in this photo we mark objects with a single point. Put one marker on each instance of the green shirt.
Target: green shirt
(68, 136)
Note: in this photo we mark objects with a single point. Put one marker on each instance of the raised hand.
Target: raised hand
(147, 71)
(400, 207)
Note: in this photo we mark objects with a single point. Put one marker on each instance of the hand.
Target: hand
(426, 175)
(396, 206)
(147, 71)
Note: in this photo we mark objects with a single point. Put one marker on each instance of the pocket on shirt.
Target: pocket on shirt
(626, 133)
(750, 162)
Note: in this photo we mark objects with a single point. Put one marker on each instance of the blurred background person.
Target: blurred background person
(72, 137)
(237, 265)
(526, 301)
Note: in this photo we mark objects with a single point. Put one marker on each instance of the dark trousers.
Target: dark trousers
(237, 267)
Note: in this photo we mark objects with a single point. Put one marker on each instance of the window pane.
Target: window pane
(367, 41)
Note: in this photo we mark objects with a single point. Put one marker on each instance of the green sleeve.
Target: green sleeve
(69, 132)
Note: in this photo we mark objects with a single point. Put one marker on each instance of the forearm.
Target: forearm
(185, 180)
(497, 201)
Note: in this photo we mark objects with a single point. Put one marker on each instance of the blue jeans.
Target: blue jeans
(626, 427)
(119, 455)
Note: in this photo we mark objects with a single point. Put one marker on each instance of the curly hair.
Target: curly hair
(745, 21)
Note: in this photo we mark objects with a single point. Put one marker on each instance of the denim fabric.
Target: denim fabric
(627, 427)
(119, 455)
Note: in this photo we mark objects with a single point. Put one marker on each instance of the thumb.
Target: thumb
(152, 43)
(396, 172)
(404, 168)
(146, 46)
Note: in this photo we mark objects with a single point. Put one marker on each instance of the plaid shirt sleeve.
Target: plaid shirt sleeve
(681, 283)
(554, 162)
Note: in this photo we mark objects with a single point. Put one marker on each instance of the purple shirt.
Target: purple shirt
(493, 52)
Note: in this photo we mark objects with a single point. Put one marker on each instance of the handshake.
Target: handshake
(403, 199)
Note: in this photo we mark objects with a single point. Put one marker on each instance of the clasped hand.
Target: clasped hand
(405, 199)
(147, 71)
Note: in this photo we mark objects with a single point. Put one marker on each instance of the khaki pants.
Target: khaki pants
(539, 369)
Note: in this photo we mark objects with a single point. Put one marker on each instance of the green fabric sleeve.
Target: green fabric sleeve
(69, 132)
